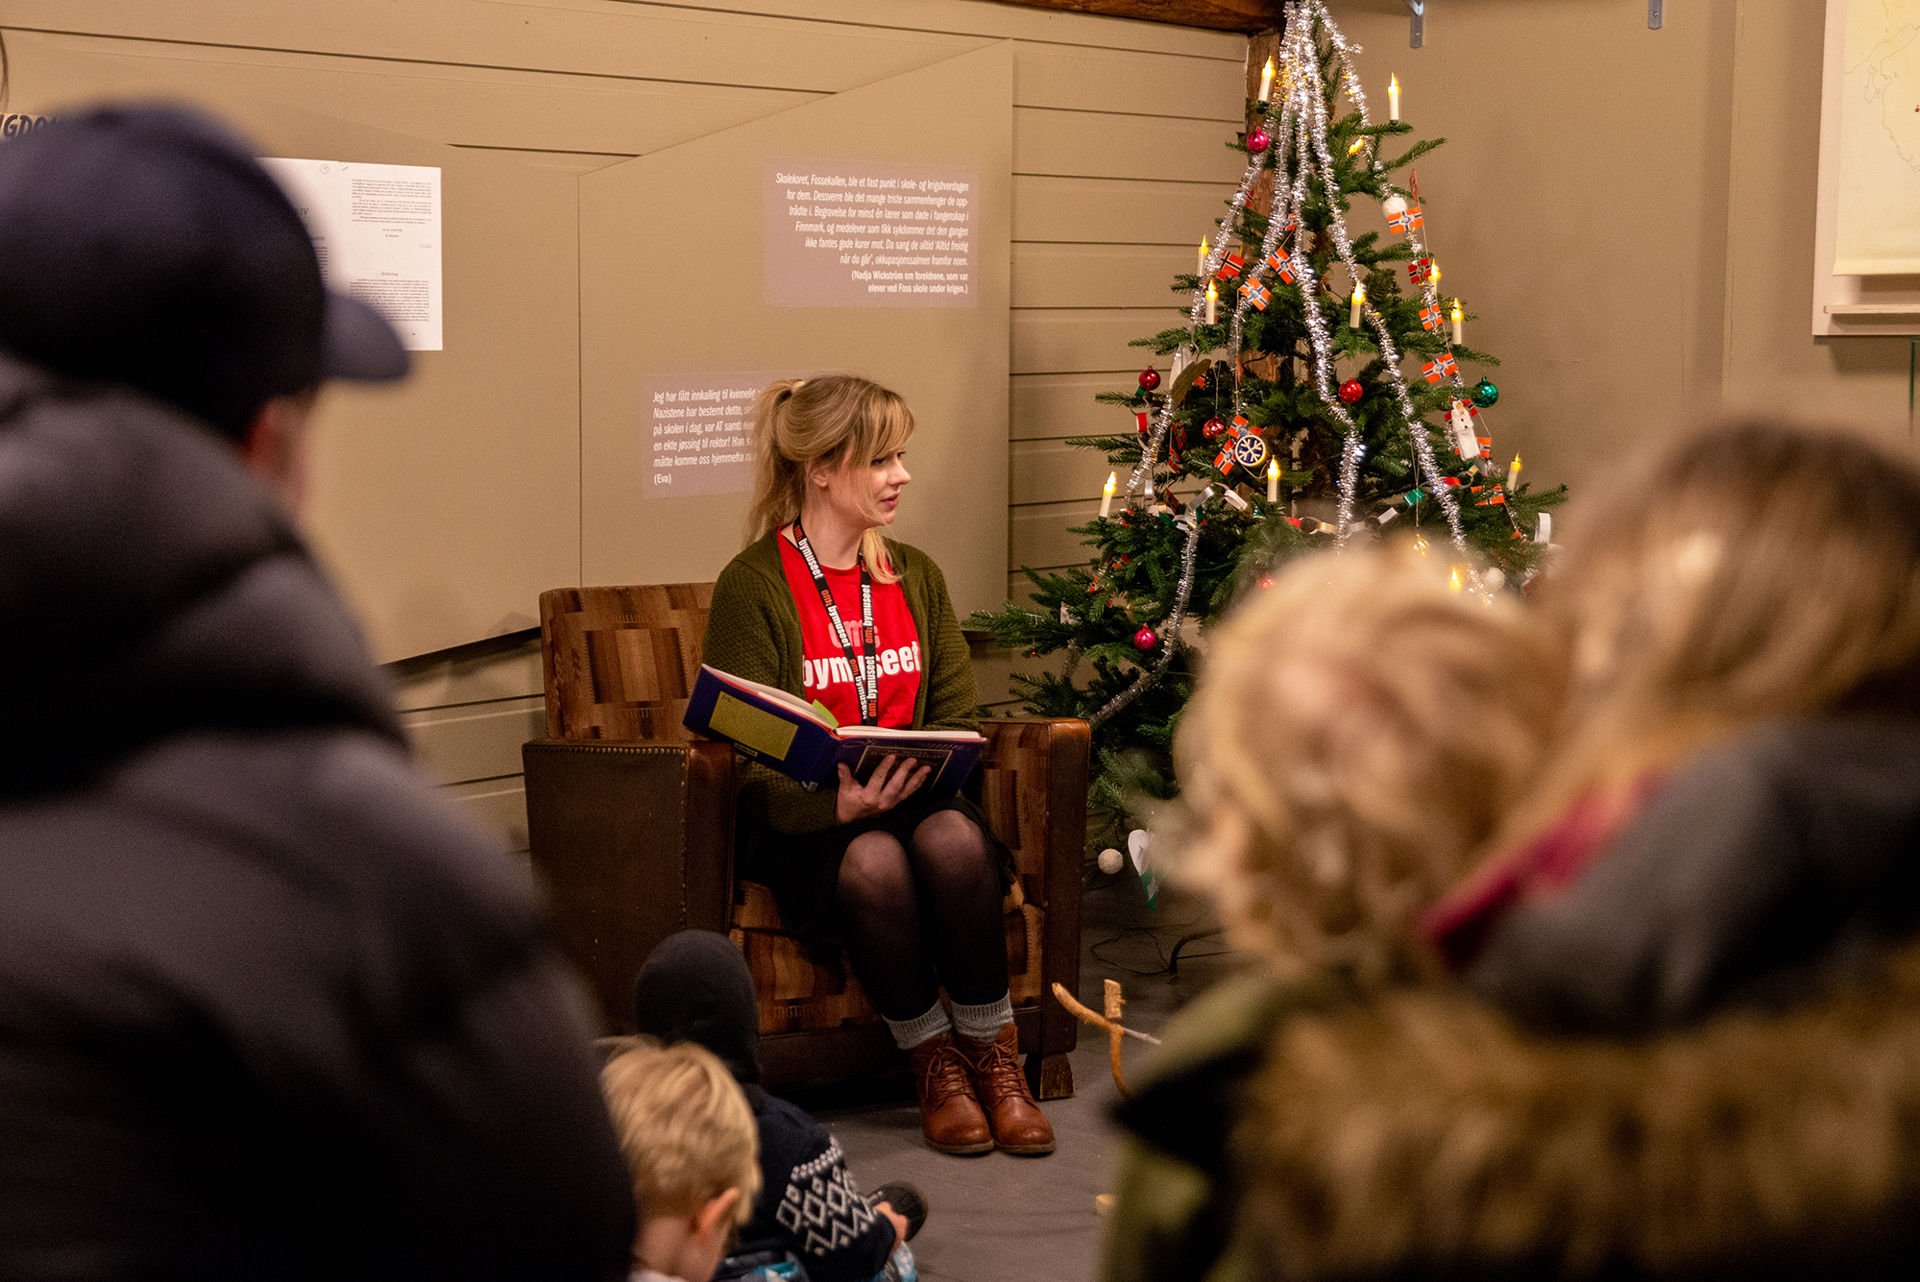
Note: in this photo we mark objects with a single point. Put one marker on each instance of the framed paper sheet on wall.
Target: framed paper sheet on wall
(1867, 269)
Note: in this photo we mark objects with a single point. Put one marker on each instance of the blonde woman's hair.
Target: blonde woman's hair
(1358, 732)
(684, 1127)
(1754, 571)
(836, 421)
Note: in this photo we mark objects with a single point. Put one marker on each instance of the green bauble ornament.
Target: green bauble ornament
(1485, 393)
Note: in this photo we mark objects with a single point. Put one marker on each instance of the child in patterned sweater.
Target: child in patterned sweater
(695, 987)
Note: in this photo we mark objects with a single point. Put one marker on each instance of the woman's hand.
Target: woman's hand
(892, 782)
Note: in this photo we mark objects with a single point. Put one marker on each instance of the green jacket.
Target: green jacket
(753, 631)
(1174, 1218)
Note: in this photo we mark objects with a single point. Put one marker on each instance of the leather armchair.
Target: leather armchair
(631, 826)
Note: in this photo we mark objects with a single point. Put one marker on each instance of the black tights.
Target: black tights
(924, 914)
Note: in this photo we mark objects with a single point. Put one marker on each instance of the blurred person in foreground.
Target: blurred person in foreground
(1358, 732)
(266, 1008)
(1733, 808)
(1690, 1042)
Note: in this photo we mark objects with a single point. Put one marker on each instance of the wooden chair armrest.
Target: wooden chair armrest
(632, 840)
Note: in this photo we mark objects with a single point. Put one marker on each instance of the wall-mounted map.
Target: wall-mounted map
(1876, 232)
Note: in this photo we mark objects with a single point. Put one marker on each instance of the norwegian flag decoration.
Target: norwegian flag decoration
(1408, 219)
(1444, 367)
(1430, 317)
(1231, 267)
(1420, 268)
(1282, 265)
(1496, 496)
(1257, 294)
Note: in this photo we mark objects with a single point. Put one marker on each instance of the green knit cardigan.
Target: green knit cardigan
(753, 631)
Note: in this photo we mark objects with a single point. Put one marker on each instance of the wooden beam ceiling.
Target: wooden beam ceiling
(1217, 15)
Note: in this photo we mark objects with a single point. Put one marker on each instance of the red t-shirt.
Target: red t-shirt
(825, 673)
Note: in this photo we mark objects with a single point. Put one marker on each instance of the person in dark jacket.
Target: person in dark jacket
(266, 1008)
(696, 987)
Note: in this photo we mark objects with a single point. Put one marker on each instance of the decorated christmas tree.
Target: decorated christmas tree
(1319, 389)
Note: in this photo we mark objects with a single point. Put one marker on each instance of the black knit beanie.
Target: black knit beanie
(695, 987)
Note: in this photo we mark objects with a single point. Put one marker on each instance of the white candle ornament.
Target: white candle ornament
(1266, 81)
(1106, 494)
(1393, 99)
(1459, 325)
(1273, 480)
(1359, 302)
(1213, 304)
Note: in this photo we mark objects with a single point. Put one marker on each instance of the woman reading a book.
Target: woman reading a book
(823, 605)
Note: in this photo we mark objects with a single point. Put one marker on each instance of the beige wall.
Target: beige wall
(1632, 213)
(1117, 166)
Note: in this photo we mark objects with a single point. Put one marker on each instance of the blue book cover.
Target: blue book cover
(798, 739)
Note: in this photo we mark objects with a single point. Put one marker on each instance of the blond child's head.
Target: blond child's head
(692, 1150)
(1359, 730)
(1752, 571)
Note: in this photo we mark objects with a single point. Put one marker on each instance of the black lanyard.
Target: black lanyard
(866, 665)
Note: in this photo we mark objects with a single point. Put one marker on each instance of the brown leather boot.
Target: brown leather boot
(1018, 1124)
(950, 1117)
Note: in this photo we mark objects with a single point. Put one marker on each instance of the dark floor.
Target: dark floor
(1006, 1219)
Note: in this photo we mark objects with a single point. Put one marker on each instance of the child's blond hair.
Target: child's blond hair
(1753, 571)
(684, 1127)
(1359, 730)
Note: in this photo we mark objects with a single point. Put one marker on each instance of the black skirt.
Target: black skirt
(802, 869)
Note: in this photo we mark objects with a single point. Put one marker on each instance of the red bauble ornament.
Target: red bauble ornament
(1146, 638)
(1258, 141)
(1351, 391)
(1212, 428)
(1149, 379)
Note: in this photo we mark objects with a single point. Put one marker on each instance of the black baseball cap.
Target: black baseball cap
(144, 245)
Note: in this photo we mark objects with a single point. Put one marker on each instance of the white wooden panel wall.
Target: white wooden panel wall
(1119, 160)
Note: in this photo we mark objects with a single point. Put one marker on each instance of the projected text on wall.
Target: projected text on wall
(845, 234)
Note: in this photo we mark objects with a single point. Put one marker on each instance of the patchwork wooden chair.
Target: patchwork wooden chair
(631, 824)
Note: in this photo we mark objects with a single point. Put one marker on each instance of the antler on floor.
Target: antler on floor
(1115, 1001)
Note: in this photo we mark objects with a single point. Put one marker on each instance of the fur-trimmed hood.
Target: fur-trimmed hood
(1424, 1136)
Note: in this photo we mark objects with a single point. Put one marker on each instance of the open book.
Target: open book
(785, 732)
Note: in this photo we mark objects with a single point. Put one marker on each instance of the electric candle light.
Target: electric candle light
(1273, 480)
(1266, 81)
(1359, 301)
(1205, 249)
(1454, 581)
(1513, 473)
(1213, 303)
(1459, 325)
(1393, 99)
(1106, 494)
(1435, 277)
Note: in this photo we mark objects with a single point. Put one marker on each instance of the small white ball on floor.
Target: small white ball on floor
(1112, 861)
